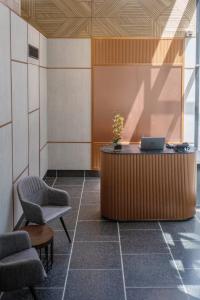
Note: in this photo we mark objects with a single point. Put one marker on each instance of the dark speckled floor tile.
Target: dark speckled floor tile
(143, 241)
(92, 185)
(186, 254)
(191, 277)
(96, 231)
(61, 243)
(157, 294)
(90, 212)
(18, 295)
(69, 219)
(92, 197)
(152, 270)
(182, 230)
(96, 255)
(77, 181)
(193, 292)
(74, 191)
(94, 285)
(49, 180)
(56, 276)
(49, 294)
(139, 225)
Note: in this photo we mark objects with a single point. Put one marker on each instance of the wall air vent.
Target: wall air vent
(33, 52)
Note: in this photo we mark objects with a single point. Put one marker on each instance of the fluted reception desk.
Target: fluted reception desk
(139, 185)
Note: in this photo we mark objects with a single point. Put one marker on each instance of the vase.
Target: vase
(117, 146)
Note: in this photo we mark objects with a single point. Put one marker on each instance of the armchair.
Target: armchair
(20, 265)
(42, 203)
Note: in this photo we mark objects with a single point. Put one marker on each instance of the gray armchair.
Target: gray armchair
(20, 265)
(42, 203)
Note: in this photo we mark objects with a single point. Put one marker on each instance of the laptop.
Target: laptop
(152, 143)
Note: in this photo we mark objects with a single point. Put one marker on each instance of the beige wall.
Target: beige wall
(23, 113)
(70, 103)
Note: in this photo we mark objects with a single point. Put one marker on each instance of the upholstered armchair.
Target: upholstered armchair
(20, 265)
(42, 203)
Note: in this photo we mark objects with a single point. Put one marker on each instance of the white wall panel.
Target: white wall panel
(43, 51)
(73, 156)
(69, 53)
(18, 38)
(189, 105)
(6, 204)
(20, 118)
(34, 40)
(34, 143)
(5, 78)
(17, 205)
(43, 161)
(33, 87)
(69, 105)
(190, 52)
(43, 107)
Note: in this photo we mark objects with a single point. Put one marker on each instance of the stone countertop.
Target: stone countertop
(135, 149)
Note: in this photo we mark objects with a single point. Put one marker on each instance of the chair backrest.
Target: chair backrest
(32, 189)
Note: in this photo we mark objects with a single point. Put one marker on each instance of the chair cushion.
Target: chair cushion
(21, 269)
(53, 212)
(30, 253)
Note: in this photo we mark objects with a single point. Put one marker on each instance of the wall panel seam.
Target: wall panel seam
(46, 144)
(68, 142)
(5, 124)
(36, 109)
(17, 178)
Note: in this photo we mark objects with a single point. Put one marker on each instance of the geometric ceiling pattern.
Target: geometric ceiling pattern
(110, 18)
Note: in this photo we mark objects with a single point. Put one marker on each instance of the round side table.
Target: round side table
(41, 238)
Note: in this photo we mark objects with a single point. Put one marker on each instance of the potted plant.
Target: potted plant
(118, 124)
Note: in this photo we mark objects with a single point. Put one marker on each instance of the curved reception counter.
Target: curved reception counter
(137, 185)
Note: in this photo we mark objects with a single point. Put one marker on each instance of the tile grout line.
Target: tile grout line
(54, 180)
(70, 255)
(151, 287)
(84, 269)
(184, 287)
(122, 264)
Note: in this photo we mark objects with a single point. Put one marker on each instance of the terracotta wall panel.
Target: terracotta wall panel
(150, 99)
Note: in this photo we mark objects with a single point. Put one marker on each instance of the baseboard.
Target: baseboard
(72, 173)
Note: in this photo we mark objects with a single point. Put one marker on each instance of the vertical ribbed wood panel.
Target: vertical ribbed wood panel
(137, 51)
(148, 187)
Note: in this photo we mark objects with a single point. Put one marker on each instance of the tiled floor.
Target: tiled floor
(118, 261)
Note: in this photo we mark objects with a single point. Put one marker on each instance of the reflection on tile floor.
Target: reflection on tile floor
(117, 261)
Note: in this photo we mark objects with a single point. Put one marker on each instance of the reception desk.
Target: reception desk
(138, 185)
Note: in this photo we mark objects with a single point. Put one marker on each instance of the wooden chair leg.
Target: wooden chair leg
(32, 290)
(65, 229)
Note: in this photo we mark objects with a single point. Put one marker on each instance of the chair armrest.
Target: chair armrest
(58, 197)
(27, 272)
(33, 212)
(13, 242)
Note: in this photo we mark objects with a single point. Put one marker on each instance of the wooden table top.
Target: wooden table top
(40, 235)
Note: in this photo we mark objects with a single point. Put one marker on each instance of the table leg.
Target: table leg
(47, 257)
(51, 252)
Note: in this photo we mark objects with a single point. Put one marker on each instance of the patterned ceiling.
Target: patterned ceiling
(110, 18)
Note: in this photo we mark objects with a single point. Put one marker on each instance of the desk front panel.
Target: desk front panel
(148, 186)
